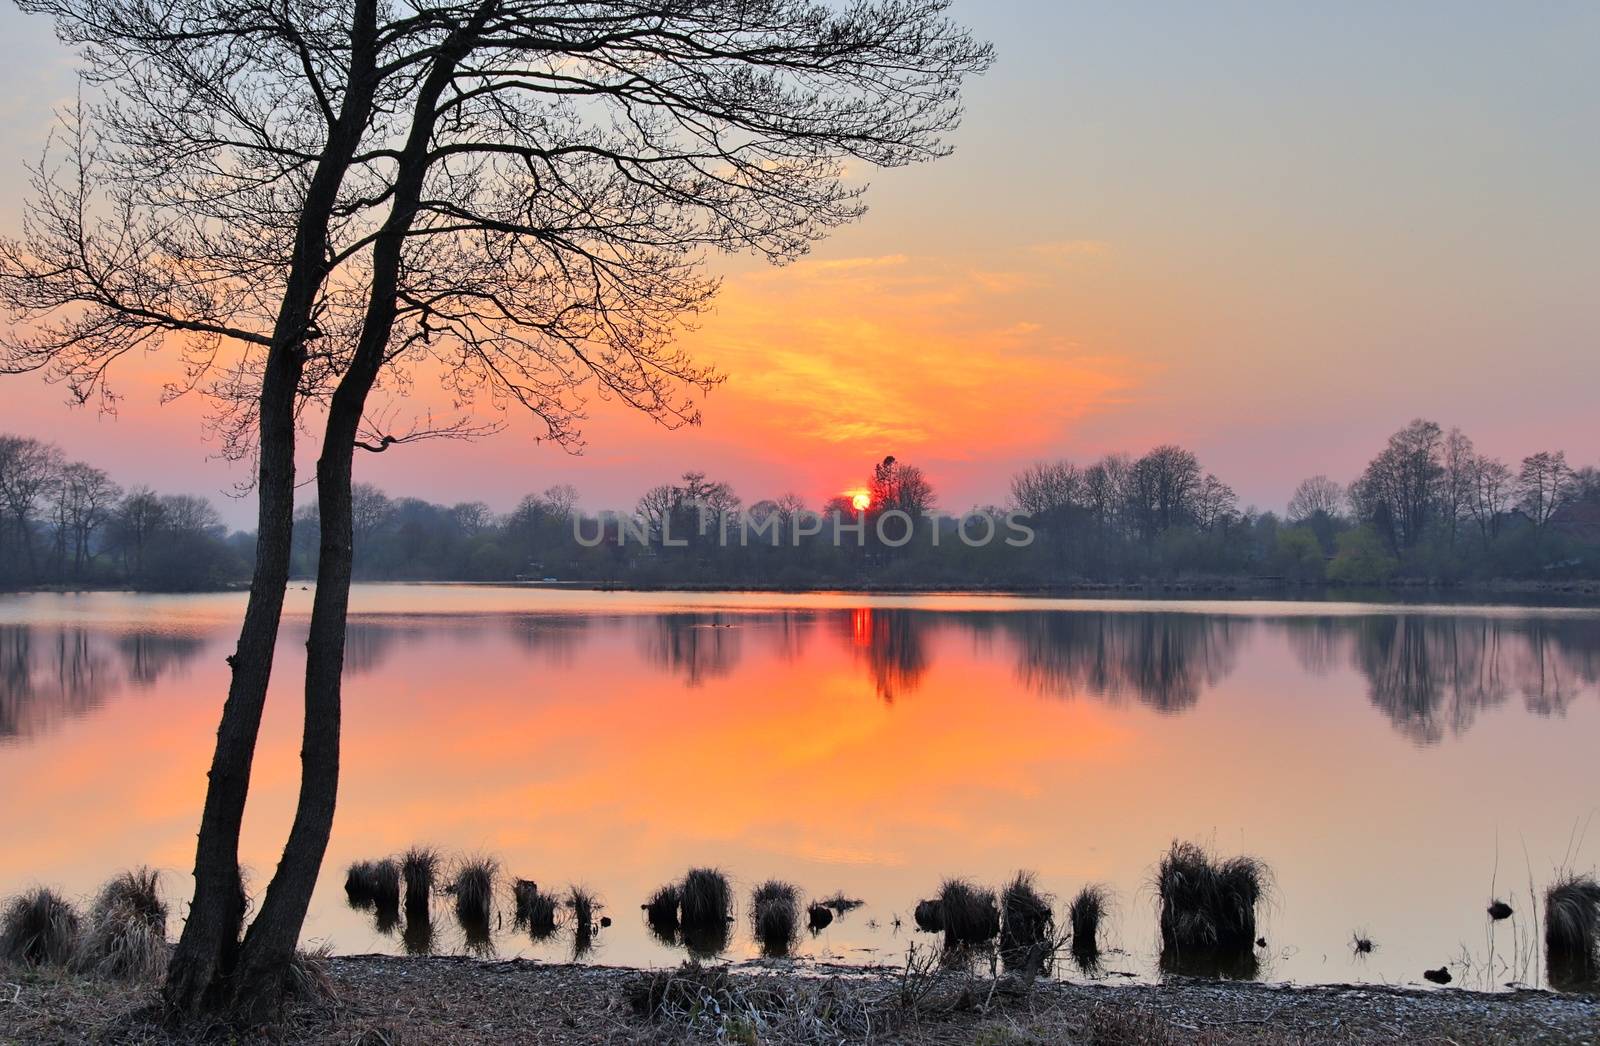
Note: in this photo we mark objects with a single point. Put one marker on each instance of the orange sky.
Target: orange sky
(1274, 235)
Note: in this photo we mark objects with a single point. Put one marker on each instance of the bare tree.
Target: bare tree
(897, 485)
(1492, 494)
(81, 503)
(1401, 491)
(1542, 485)
(1046, 487)
(28, 470)
(513, 195)
(1314, 495)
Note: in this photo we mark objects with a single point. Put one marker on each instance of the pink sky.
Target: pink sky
(1272, 238)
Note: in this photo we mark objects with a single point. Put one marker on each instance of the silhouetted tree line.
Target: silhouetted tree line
(1427, 507)
(66, 523)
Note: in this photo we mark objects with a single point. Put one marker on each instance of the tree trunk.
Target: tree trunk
(209, 947)
(269, 946)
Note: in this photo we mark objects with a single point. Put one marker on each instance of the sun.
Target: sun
(861, 499)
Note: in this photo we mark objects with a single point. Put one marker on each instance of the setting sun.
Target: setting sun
(860, 500)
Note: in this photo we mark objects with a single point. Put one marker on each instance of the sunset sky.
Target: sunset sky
(1271, 232)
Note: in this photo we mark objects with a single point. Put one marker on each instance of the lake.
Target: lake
(1395, 766)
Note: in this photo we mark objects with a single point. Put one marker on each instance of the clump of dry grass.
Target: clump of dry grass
(534, 911)
(373, 883)
(584, 906)
(706, 901)
(418, 868)
(1026, 916)
(38, 928)
(661, 912)
(473, 888)
(1572, 933)
(971, 914)
(775, 916)
(929, 916)
(1085, 912)
(1208, 912)
(711, 1004)
(125, 935)
(1361, 943)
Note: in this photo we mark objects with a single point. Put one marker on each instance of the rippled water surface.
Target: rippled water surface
(1395, 766)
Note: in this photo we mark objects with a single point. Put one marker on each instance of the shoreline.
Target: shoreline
(388, 999)
(1514, 592)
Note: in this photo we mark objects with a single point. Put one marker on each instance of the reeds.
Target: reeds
(1208, 912)
(1572, 933)
(706, 900)
(473, 888)
(929, 916)
(705, 907)
(970, 913)
(1084, 915)
(1026, 918)
(125, 934)
(38, 928)
(370, 884)
(583, 905)
(533, 911)
(661, 912)
(775, 916)
(418, 868)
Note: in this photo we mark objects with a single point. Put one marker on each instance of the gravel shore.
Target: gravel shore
(380, 999)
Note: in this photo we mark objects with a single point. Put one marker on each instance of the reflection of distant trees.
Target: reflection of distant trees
(1432, 675)
(551, 637)
(893, 643)
(699, 646)
(1158, 659)
(47, 675)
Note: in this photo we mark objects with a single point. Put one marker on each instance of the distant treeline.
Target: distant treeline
(67, 523)
(1427, 508)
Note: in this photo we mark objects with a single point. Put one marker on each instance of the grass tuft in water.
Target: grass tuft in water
(418, 868)
(1208, 912)
(1572, 933)
(706, 901)
(1085, 914)
(775, 917)
(971, 914)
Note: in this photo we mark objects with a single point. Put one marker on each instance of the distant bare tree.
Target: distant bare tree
(29, 468)
(1046, 487)
(1215, 503)
(1542, 485)
(513, 196)
(1401, 490)
(1492, 495)
(1314, 495)
(896, 485)
(82, 501)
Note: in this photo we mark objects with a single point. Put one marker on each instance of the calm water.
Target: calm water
(1393, 765)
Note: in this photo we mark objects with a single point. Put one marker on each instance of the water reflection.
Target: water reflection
(697, 647)
(48, 675)
(1164, 661)
(1430, 676)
